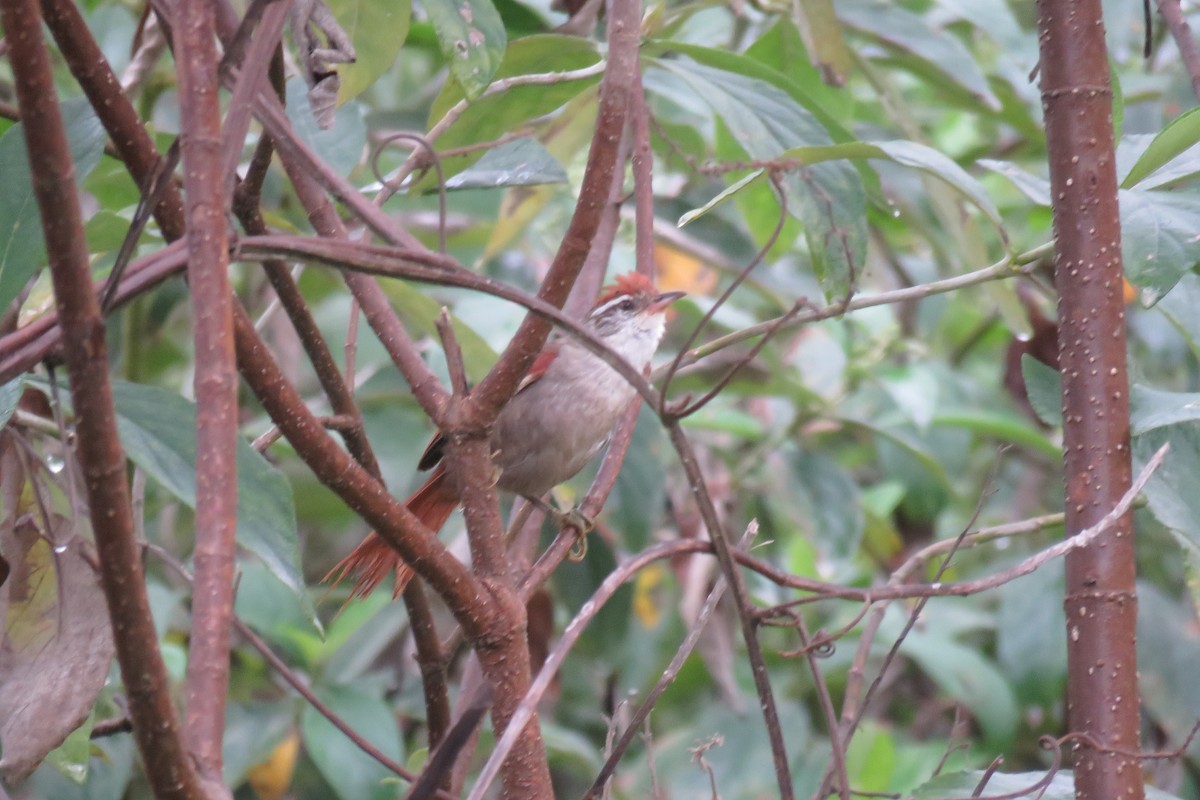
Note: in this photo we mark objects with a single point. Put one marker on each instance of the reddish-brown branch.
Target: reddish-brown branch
(155, 724)
(319, 355)
(591, 276)
(89, 66)
(741, 597)
(252, 71)
(1101, 600)
(337, 470)
(430, 660)
(643, 177)
(1181, 32)
(615, 90)
(215, 383)
(297, 682)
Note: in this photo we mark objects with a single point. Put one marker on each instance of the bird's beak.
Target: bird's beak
(663, 300)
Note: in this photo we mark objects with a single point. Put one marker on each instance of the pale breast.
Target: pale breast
(553, 428)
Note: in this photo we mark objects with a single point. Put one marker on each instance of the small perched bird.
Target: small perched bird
(560, 417)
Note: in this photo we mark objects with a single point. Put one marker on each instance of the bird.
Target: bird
(560, 417)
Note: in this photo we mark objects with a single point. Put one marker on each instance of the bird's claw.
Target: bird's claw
(582, 524)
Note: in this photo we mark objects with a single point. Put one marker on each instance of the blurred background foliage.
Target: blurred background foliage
(854, 441)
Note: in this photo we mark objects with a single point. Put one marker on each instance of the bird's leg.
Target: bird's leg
(573, 518)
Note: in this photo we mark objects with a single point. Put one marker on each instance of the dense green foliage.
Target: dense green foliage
(854, 441)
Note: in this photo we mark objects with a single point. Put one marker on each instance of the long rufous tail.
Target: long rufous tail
(369, 563)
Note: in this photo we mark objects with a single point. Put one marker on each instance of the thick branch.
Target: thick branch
(215, 383)
(155, 725)
(1101, 600)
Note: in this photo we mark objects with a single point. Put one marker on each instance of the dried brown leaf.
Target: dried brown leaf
(56, 647)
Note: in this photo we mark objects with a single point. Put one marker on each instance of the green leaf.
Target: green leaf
(1158, 230)
(252, 732)
(828, 199)
(963, 673)
(1158, 237)
(909, 154)
(1016, 784)
(1043, 384)
(1031, 633)
(1019, 784)
(1180, 134)
(352, 773)
(343, 144)
(906, 442)
(755, 68)
(110, 768)
(926, 159)
(10, 395)
(1002, 426)
(641, 483)
(908, 35)
(1168, 651)
(158, 431)
(421, 311)
(828, 498)
(1154, 408)
(1171, 491)
(1037, 189)
(720, 198)
(871, 758)
(493, 116)
(521, 162)
(1179, 306)
(830, 50)
(377, 31)
(22, 246)
(472, 38)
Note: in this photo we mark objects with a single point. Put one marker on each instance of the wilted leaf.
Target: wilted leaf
(271, 778)
(57, 644)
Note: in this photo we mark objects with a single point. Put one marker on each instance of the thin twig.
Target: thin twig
(642, 715)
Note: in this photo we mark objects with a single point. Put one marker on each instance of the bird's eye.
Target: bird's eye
(626, 304)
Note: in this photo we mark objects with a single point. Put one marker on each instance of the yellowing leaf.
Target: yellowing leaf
(645, 607)
(679, 270)
(1128, 293)
(271, 779)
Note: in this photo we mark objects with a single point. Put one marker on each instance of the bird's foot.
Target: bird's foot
(572, 518)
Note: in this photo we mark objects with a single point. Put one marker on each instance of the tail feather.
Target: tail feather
(369, 564)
